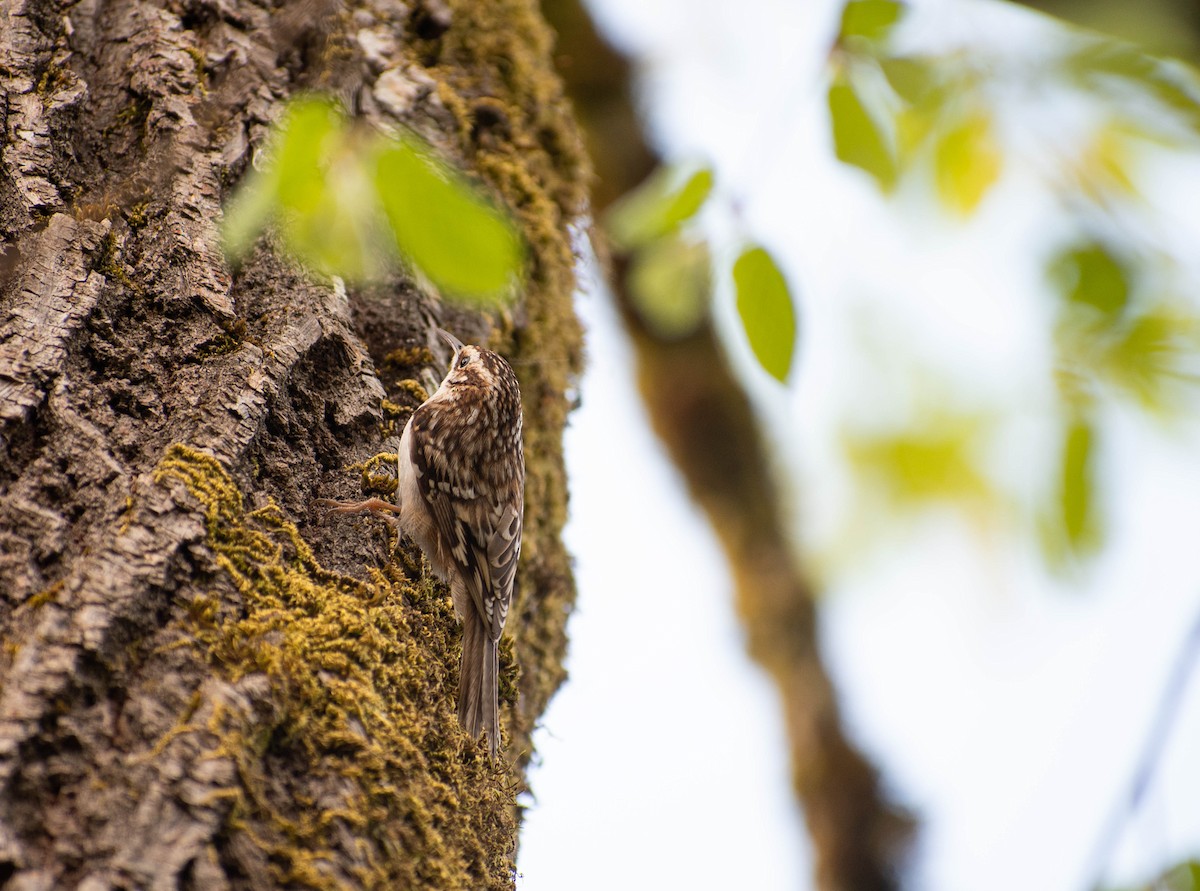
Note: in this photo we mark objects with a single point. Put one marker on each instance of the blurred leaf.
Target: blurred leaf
(317, 181)
(1183, 876)
(1172, 85)
(966, 163)
(312, 130)
(917, 84)
(347, 198)
(913, 78)
(1089, 275)
(331, 218)
(1070, 527)
(251, 210)
(657, 207)
(293, 174)
(1106, 162)
(766, 309)
(931, 461)
(870, 19)
(1151, 355)
(670, 281)
(914, 126)
(444, 226)
(858, 139)
(1077, 497)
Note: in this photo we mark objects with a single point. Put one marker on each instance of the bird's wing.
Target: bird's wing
(481, 538)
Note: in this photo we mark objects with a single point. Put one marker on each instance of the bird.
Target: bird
(460, 497)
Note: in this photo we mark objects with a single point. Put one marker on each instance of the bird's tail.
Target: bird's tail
(478, 708)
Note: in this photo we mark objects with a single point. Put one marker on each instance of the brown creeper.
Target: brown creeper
(461, 498)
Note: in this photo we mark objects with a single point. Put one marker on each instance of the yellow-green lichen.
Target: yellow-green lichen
(54, 78)
(392, 410)
(111, 263)
(382, 484)
(409, 357)
(413, 390)
(201, 63)
(357, 757)
(46, 595)
(134, 116)
(138, 215)
(395, 416)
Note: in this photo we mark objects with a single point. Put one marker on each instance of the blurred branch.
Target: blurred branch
(705, 421)
(1169, 706)
(1162, 27)
(704, 418)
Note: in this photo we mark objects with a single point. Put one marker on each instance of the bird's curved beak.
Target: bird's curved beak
(455, 343)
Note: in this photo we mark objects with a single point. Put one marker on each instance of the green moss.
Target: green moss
(233, 334)
(359, 751)
(375, 483)
(393, 411)
(46, 595)
(134, 115)
(201, 67)
(53, 79)
(138, 215)
(395, 371)
(110, 264)
(408, 357)
(413, 390)
(395, 416)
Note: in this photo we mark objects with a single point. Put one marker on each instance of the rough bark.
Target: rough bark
(704, 418)
(199, 687)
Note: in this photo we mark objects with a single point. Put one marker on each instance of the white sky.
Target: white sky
(1005, 708)
(664, 762)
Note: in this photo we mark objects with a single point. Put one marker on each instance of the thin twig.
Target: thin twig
(1160, 731)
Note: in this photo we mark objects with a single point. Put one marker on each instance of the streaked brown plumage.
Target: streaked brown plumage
(461, 499)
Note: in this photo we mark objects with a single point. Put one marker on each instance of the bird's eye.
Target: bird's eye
(462, 363)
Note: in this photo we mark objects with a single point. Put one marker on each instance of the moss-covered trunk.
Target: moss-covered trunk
(200, 687)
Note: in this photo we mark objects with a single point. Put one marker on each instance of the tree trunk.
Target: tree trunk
(199, 686)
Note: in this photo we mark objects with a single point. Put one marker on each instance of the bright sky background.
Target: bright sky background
(1005, 708)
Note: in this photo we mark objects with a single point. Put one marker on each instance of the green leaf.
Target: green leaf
(1152, 358)
(293, 176)
(766, 309)
(858, 139)
(871, 20)
(934, 460)
(312, 131)
(1076, 494)
(1145, 350)
(966, 163)
(658, 207)
(348, 198)
(925, 98)
(444, 227)
(1170, 84)
(1184, 877)
(1089, 275)
(316, 182)
(913, 78)
(249, 211)
(1070, 526)
(670, 282)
